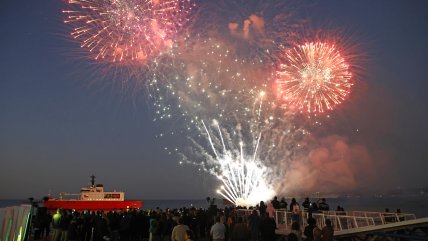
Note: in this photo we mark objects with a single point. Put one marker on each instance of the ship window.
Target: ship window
(115, 195)
(107, 195)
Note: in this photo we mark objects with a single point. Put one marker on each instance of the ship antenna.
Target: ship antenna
(93, 180)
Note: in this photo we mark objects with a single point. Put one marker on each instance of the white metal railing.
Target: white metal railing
(379, 218)
(341, 220)
(14, 222)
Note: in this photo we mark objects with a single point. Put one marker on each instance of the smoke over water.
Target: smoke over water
(331, 166)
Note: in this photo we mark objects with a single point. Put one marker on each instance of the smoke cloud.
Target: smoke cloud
(333, 166)
(253, 25)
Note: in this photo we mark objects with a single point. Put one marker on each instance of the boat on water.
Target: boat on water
(92, 198)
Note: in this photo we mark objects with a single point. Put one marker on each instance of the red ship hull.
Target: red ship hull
(81, 205)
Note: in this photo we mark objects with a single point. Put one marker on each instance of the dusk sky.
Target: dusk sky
(59, 125)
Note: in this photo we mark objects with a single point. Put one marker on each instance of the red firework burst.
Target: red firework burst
(126, 30)
(313, 77)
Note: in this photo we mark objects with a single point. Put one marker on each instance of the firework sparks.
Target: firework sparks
(314, 77)
(244, 177)
(242, 152)
(126, 31)
(210, 78)
(254, 135)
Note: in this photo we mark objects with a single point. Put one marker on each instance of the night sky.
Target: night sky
(58, 126)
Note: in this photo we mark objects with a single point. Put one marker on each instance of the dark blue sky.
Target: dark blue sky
(56, 129)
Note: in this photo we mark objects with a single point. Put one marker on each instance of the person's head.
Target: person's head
(180, 220)
(311, 221)
(295, 226)
(328, 223)
(189, 235)
(292, 237)
(217, 219)
(317, 233)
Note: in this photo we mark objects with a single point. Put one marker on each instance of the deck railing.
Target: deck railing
(14, 222)
(340, 220)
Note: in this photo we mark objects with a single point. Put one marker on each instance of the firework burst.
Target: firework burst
(313, 77)
(126, 31)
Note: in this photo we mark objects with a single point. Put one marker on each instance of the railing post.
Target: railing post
(276, 217)
(286, 219)
(92, 234)
(397, 218)
(340, 223)
(323, 220)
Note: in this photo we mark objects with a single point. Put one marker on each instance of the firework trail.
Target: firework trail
(244, 151)
(313, 77)
(243, 176)
(126, 31)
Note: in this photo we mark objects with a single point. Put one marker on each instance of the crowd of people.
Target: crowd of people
(184, 224)
(311, 231)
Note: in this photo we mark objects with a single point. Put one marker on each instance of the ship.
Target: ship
(92, 198)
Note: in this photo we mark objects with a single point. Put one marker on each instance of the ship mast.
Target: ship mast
(93, 180)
